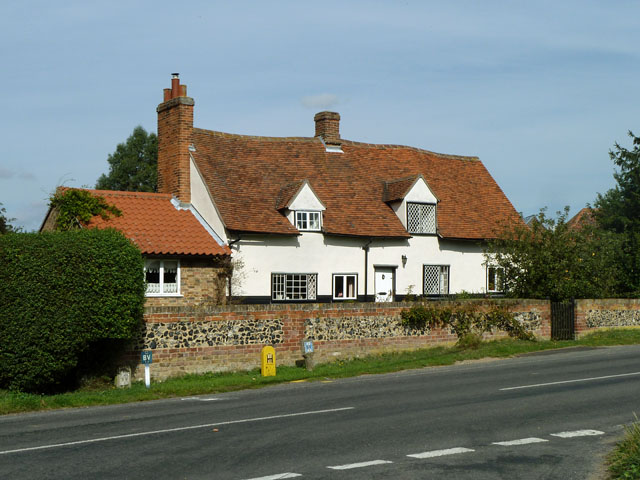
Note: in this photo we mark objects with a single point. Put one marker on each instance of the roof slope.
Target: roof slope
(157, 227)
(585, 217)
(246, 176)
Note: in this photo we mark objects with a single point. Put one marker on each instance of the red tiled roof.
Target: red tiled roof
(398, 189)
(246, 176)
(287, 193)
(152, 222)
(581, 219)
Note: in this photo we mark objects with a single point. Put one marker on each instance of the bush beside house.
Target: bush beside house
(60, 293)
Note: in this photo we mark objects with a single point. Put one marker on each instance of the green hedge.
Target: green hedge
(59, 293)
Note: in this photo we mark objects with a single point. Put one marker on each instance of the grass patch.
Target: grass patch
(624, 461)
(102, 393)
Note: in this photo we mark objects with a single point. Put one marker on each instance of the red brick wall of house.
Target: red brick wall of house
(203, 283)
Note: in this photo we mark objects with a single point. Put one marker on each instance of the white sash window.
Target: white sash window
(162, 277)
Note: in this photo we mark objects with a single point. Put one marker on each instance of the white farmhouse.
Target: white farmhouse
(324, 219)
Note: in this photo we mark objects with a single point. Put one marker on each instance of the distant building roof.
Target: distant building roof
(581, 219)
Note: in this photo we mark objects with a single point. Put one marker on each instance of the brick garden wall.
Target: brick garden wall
(602, 313)
(218, 338)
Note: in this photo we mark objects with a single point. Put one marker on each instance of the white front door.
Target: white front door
(384, 284)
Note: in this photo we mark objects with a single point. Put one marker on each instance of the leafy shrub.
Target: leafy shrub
(466, 320)
(76, 207)
(624, 461)
(59, 293)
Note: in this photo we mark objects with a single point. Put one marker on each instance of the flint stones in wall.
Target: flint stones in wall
(612, 318)
(223, 333)
(531, 321)
(350, 328)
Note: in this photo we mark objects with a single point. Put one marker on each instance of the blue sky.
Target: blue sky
(540, 91)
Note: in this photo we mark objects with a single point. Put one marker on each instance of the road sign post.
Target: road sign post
(147, 358)
(307, 353)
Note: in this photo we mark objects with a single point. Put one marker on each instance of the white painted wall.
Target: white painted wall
(313, 252)
(203, 203)
(306, 200)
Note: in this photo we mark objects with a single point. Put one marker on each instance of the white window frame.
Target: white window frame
(344, 276)
(498, 279)
(161, 292)
(422, 206)
(287, 287)
(443, 270)
(303, 217)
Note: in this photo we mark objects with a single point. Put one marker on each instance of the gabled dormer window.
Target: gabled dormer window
(421, 218)
(309, 221)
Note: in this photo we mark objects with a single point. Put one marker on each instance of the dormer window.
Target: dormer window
(421, 218)
(309, 221)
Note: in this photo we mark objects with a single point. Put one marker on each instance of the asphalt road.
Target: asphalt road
(542, 416)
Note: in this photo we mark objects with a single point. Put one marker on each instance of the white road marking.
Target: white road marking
(359, 465)
(177, 429)
(571, 381)
(198, 399)
(440, 453)
(277, 476)
(521, 441)
(577, 433)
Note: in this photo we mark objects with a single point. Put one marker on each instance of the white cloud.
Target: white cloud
(5, 173)
(322, 100)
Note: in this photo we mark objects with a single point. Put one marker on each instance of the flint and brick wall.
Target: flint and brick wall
(221, 338)
(602, 313)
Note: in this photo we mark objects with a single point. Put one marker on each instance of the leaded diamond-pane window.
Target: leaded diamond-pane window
(293, 286)
(421, 218)
(436, 279)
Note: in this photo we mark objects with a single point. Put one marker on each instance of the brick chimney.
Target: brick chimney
(328, 127)
(175, 127)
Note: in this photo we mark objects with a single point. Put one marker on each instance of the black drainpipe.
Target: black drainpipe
(366, 268)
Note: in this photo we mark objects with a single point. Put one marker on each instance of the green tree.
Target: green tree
(5, 223)
(133, 166)
(618, 211)
(549, 259)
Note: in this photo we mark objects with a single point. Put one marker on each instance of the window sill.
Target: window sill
(164, 295)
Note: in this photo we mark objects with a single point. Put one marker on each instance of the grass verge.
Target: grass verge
(624, 461)
(103, 393)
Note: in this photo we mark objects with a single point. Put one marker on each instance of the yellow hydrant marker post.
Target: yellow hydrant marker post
(268, 362)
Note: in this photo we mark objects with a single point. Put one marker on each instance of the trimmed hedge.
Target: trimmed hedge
(59, 293)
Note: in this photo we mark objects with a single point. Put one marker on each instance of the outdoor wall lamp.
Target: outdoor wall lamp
(404, 260)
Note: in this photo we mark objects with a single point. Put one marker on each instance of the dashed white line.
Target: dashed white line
(177, 429)
(577, 433)
(570, 381)
(440, 453)
(521, 441)
(359, 465)
(277, 476)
